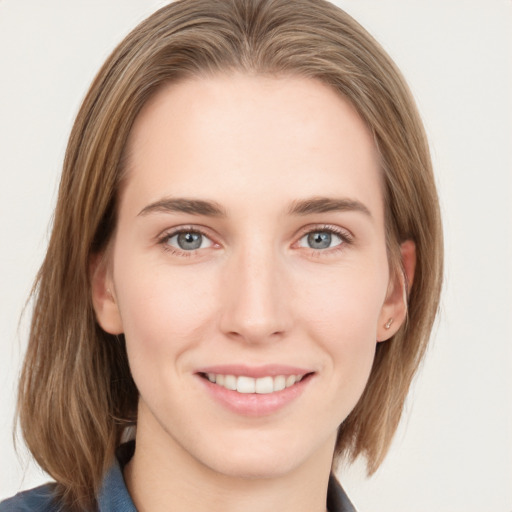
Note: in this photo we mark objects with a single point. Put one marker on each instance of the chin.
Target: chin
(264, 458)
(255, 467)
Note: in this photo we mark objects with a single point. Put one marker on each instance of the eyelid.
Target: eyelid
(346, 236)
(168, 233)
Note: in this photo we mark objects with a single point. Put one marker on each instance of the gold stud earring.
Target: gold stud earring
(388, 323)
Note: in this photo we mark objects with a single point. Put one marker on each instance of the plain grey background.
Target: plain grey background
(453, 450)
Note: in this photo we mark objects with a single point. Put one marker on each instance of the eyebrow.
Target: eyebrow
(214, 209)
(183, 205)
(327, 204)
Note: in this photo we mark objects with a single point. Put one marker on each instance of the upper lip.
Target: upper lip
(269, 370)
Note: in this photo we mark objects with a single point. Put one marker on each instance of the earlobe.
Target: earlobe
(103, 296)
(394, 310)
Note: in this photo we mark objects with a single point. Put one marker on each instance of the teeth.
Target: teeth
(263, 385)
(290, 380)
(246, 385)
(279, 382)
(230, 382)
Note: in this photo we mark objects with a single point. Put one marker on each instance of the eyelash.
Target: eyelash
(346, 239)
(164, 239)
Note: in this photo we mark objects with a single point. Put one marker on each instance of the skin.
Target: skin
(254, 293)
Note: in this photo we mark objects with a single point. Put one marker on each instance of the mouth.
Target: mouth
(262, 385)
(255, 391)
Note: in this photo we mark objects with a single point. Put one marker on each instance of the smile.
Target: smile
(261, 385)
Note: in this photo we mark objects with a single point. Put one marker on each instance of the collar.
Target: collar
(113, 495)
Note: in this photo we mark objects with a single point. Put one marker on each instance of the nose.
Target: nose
(255, 307)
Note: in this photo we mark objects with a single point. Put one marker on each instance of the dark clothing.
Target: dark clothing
(114, 497)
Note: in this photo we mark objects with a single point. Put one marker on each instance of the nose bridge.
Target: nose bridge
(254, 308)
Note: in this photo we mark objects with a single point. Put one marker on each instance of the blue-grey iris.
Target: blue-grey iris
(319, 240)
(189, 241)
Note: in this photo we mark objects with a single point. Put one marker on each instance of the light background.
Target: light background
(453, 451)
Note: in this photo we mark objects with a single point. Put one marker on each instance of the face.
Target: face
(248, 270)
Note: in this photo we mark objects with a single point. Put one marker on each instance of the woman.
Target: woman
(245, 265)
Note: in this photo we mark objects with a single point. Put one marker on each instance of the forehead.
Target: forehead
(251, 137)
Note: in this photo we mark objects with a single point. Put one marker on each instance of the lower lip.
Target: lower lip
(255, 404)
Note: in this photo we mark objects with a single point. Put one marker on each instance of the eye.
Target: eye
(188, 240)
(321, 239)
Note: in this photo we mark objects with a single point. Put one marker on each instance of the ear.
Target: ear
(394, 310)
(103, 295)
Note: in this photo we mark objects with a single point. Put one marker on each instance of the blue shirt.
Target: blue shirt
(114, 496)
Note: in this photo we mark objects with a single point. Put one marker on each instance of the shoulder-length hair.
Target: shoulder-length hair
(76, 393)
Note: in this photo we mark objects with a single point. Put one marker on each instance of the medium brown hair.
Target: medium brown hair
(76, 393)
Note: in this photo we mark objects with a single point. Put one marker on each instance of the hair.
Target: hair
(76, 393)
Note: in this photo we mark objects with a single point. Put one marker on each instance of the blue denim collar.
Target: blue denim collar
(113, 495)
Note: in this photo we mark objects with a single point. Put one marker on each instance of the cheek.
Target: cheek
(342, 317)
(163, 312)
(345, 302)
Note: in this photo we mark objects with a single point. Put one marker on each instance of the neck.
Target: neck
(163, 476)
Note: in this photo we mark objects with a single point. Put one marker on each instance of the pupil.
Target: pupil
(189, 241)
(319, 240)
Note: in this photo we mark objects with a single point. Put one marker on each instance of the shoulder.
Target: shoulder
(40, 499)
